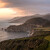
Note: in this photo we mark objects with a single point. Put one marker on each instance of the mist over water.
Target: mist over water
(5, 35)
(6, 24)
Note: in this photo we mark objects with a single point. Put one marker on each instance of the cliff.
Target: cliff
(29, 25)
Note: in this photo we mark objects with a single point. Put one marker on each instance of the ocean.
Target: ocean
(6, 35)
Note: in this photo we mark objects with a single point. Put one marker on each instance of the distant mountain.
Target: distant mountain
(38, 21)
(23, 19)
(15, 18)
(47, 16)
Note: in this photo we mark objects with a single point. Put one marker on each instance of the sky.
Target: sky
(18, 8)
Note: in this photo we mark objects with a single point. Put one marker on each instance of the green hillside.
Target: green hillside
(28, 43)
(48, 38)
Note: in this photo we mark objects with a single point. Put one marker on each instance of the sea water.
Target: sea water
(6, 35)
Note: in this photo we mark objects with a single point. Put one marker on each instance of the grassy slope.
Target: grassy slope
(43, 29)
(48, 38)
(24, 44)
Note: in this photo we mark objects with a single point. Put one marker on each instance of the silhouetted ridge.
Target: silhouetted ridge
(47, 16)
(38, 21)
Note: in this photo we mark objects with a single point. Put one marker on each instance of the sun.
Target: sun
(6, 11)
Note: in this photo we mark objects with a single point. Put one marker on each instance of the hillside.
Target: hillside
(47, 16)
(24, 44)
(38, 21)
(24, 19)
(15, 18)
(48, 38)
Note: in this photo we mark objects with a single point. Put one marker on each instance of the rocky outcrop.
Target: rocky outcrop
(29, 25)
(20, 28)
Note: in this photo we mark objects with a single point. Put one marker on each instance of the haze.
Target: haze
(15, 8)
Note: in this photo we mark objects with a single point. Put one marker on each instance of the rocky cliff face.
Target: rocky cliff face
(21, 28)
(29, 25)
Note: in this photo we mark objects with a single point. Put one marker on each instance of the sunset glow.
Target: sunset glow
(6, 12)
(16, 8)
(2, 4)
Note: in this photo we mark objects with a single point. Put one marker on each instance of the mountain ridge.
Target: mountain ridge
(24, 19)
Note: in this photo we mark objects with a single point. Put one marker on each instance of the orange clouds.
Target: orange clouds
(19, 12)
(2, 4)
(6, 13)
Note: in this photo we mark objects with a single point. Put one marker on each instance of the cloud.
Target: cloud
(2, 4)
(23, 3)
(30, 6)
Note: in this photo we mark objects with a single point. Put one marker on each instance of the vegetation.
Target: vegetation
(43, 29)
(41, 33)
(38, 41)
(38, 21)
(48, 38)
(29, 43)
(47, 16)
